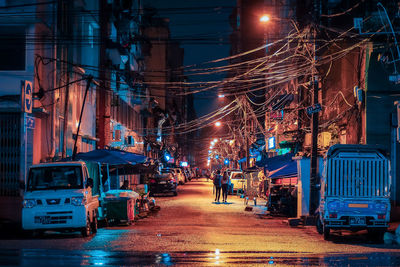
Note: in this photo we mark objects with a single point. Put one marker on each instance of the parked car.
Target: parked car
(238, 182)
(180, 177)
(59, 197)
(355, 190)
(163, 183)
(172, 172)
(189, 174)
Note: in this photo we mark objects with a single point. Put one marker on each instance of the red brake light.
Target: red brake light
(333, 215)
(381, 216)
(152, 181)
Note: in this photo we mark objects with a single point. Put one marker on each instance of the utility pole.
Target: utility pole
(88, 82)
(103, 96)
(314, 179)
(246, 137)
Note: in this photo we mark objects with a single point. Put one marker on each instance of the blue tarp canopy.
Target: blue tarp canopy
(112, 157)
(286, 171)
(280, 166)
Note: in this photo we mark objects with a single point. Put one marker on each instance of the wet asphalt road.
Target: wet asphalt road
(191, 229)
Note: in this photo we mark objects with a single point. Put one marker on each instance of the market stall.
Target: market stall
(118, 200)
(281, 173)
(252, 184)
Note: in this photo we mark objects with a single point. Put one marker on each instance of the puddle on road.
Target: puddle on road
(39, 257)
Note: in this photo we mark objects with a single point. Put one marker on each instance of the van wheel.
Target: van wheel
(85, 231)
(94, 224)
(326, 232)
(319, 226)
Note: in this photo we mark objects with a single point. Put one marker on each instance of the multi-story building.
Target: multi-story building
(164, 79)
(70, 81)
(43, 87)
(356, 68)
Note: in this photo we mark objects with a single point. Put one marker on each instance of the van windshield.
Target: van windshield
(237, 176)
(59, 177)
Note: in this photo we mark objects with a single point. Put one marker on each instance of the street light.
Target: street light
(264, 18)
(218, 123)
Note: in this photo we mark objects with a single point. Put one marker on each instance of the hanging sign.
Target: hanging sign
(26, 96)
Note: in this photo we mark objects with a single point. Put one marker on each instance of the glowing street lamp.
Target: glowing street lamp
(218, 123)
(215, 140)
(264, 18)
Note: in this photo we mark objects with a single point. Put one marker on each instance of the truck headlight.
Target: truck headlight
(78, 201)
(29, 203)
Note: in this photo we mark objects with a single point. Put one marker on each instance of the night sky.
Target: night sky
(203, 30)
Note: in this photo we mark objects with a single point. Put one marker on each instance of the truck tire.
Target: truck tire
(175, 193)
(319, 226)
(37, 233)
(86, 231)
(326, 232)
(376, 235)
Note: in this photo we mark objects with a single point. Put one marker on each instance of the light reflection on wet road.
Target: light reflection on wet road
(42, 257)
(192, 230)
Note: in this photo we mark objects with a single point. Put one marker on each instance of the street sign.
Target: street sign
(26, 94)
(314, 108)
(30, 122)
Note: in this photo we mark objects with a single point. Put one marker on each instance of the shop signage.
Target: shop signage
(271, 142)
(26, 96)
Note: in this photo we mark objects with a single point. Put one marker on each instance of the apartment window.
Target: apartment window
(12, 48)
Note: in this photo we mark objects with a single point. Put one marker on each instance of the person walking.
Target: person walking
(217, 184)
(225, 185)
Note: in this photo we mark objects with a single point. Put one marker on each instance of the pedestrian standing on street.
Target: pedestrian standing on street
(217, 185)
(225, 185)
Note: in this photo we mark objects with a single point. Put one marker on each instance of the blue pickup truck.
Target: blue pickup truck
(355, 190)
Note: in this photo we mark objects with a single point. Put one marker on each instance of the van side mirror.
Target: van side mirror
(89, 182)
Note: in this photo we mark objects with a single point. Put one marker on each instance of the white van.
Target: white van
(58, 196)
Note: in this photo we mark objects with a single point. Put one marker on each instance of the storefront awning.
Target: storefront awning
(286, 171)
(280, 166)
(112, 157)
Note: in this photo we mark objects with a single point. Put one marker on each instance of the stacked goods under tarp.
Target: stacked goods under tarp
(252, 182)
(281, 173)
(120, 206)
